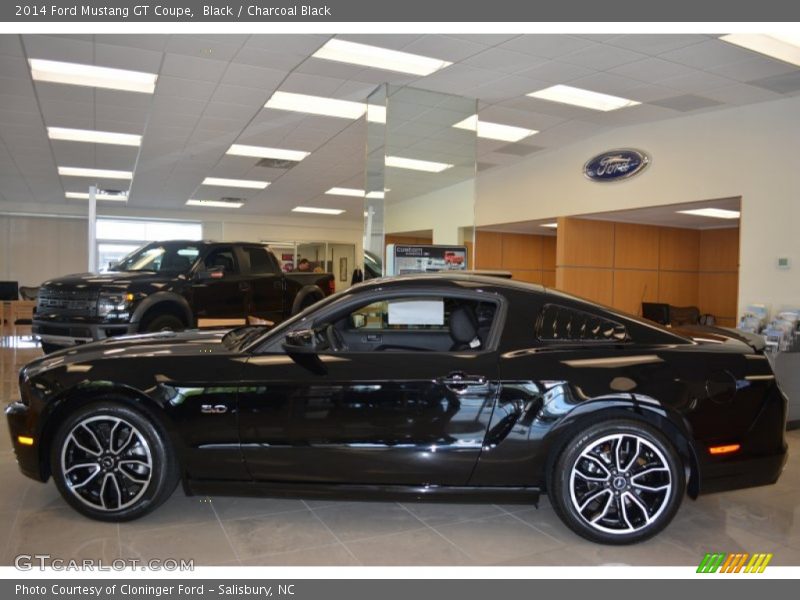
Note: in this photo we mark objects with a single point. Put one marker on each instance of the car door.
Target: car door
(368, 416)
(267, 297)
(222, 295)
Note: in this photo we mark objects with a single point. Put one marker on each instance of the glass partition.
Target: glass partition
(420, 167)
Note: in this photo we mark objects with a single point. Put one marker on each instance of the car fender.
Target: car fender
(159, 298)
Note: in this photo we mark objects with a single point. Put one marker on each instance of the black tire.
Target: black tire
(162, 322)
(617, 482)
(112, 486)
(50, 348)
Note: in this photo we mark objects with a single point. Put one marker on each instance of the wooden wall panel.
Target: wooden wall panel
(678, 288)
(529, 276)
(549, 252)
(636, 246)
(549, 278)
(489, 250)
(719, 250)
(717, 294)
(585, 243)
(631, 288)
(679, 249)
(522, 251)
(407, 239)
(593, 284)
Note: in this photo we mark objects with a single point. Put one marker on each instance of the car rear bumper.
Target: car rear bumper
(21, 423)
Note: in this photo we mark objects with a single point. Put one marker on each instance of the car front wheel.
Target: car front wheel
(112, 463)
(617, 482)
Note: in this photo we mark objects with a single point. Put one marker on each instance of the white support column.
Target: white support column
(92, 230)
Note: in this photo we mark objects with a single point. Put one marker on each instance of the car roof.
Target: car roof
(452, 279)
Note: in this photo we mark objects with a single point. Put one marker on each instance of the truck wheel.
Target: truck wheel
(111, 463)
(162, 323)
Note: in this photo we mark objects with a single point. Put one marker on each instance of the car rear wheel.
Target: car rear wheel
(617, 482)
(111, 463)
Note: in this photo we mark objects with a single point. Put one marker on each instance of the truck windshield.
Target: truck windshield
(160, 258)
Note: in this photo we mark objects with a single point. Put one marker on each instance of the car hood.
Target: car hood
(152, 345)
(112, 279)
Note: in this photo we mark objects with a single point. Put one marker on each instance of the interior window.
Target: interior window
(222, 257)
(418, 324)
(560, 323)
(260, 262)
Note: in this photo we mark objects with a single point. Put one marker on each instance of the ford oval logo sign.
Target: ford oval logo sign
(615, 165)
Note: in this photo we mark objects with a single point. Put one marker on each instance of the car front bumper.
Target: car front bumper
(72, 334)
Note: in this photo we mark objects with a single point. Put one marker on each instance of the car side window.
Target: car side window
(566, 324)
(260, 260)
(222, 257)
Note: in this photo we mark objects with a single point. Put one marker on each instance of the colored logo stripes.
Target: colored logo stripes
(714, 562)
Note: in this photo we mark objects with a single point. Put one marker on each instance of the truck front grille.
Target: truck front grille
(67, 302)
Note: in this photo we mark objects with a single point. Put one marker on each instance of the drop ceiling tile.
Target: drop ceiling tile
(607, 83)
(445, 47)
(13, 67)
(236, 94)
(601, 57)
(233, 112)
(696, 82)
(61, 48)
(294, 44)
(189, 67)
(708, 54)
(655, 44)
(221, 48)
(20, 104)
(10, 45)
(555, 72)
(191, 89)
(503, 89)
(647, 92)
(782, 84)
(547, 45)
(652, 69)
(687, 103)
(151, 41)
(53, 110)
(741, 93)
(520, 118)
(123, 99)
(505, 61)
(457, 78)
(168, 104)
(253, 76)
(268, 60)
(757, 67)
(16, 86)
(316, 85)
(121, 57)
(121, 113)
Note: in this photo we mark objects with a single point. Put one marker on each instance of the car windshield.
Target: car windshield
(160, 258)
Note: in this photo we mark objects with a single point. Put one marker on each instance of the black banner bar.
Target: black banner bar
(466, 11)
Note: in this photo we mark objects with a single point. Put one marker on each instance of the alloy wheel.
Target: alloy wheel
(107, 463)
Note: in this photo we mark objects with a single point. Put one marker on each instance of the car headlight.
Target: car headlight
(108, 304)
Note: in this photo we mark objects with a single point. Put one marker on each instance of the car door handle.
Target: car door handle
(462, 380)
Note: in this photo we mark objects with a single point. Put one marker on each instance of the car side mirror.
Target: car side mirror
(212, 273)
(301, 347)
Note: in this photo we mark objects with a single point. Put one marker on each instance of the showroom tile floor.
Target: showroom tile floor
(248, 531)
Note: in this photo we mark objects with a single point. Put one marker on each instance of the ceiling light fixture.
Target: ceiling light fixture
(785, 47)
(341, 191)
(495, 131)
(550, 225)
(96, 173)
(316, 105)
(714, 213)
(215, 203)
(567, 94)
(264, 152)
(238, 183)
(413, 164)
(379, 58)
(317, 211)
(93, 137)
(92, 76)
(120, 197)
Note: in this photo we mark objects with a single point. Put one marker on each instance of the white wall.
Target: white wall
(34, 249)
(751, 151)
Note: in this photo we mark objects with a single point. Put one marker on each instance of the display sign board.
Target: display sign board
(615, 165)
(404, 258)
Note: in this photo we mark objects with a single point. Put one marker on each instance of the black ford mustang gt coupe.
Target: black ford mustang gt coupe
(434, 387)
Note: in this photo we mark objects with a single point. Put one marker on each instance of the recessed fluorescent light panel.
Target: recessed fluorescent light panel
(317, 211)
(413, 164)
(567, 94)
(316, 105)
(92, 76)
(550, 225)
(495, 131)
(340, 191)
(121, 197)
(264, 152)
(785, 47)
(96, 173)
(379, 58)
(238, 183)
(714, 213)
(93, 137)
(215, 203)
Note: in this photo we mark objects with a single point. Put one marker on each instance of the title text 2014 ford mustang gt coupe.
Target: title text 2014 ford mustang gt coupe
(435, 387)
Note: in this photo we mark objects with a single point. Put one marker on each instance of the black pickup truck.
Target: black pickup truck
(174, 285)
